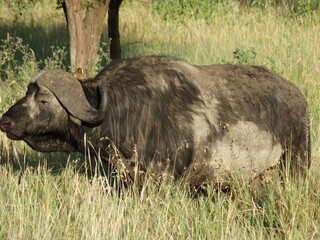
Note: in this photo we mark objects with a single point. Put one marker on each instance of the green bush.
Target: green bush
(57, 60)
(17, 60)
(293, 7)
(177, 10)
(243, 56)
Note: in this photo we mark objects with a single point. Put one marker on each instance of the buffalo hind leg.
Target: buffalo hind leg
(296, 159)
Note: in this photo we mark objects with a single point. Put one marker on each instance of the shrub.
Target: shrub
(178, 10)
(17, 60)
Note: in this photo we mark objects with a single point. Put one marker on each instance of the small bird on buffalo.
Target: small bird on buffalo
(79, 74)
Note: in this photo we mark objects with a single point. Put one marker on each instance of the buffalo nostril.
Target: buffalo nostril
(5, 123)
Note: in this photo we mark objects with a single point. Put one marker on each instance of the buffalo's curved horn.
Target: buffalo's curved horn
(70, 94)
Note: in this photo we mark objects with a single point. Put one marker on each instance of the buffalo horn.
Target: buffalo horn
(70, 94)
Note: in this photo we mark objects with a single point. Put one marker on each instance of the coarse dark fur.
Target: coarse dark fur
(153, 104)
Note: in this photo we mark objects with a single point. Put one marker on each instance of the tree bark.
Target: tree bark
(84, 32)
(93, 25)
(113, 29)
(76, 34)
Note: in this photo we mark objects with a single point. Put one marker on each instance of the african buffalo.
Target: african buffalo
(204, 123)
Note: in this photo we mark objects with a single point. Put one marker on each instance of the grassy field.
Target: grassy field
(50, 196)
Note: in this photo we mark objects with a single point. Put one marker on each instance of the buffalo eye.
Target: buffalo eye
(43, 101)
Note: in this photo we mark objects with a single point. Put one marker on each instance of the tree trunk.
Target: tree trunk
(113, 29)
(93, 25)
(84, 32)
(76, 34)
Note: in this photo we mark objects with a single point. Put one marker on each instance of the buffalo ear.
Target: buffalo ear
(70, 94)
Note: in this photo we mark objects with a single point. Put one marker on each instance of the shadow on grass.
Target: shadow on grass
(38, 38)
(41, 38)
(18, 157)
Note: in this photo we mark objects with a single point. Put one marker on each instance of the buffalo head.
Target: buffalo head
(53, 98)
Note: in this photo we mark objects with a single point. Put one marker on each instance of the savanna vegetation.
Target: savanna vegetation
(61, 196)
